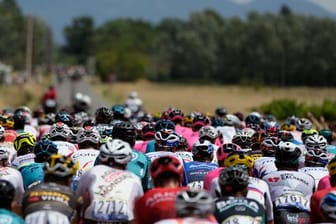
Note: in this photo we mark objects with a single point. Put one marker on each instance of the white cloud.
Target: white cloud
(329, 5)
(242, 2)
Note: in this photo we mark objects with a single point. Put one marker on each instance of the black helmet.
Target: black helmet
(221, 111)
(103, 115)
(164, 124)
(125, 131)
(7, 191)
(287, 153)
(233, 179)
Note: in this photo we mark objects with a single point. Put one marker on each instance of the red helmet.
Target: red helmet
(166, 164)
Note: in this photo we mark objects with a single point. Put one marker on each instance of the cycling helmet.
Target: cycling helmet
(253, 118)
(202, 147)
(166, 164)
(233, 179)
(60, 166)
(194, 203)
(328, 205)
(148, 131)
(65, 118)
(82, 102)
(88, 134)
(239, 158)
(225, 149)
(272, 131)
(43, 149)
(232, 120)
(332, 166)
(328, 134)
(216, 122)
(164, 124)
(166, 140)
(285, 136)
(4, 156)
(23, 141)
(176, 115)
(269, 145)
(118, 111)
(115, 151)
(287, 153)
(302, 124)
(50, 118)
(315, 141)
(183, 144)
(199, 121)
(244, 138)
(19, 121)
(125, 131)
(7, 191)
(287, 127)
(188, 120)
(316, 157)
(25, 112)
(103, 115)
(60, 131)
(208, 133)
(2, 132)
(221, 111)
(308, 132)
(147, 117)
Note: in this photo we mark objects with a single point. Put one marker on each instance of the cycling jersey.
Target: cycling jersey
(283, 181)
(315, 201)
(194, 173)
(239, 210)
(10, 135)
(66, 148)
(32, 173)
(324, 183)
(139, 165)
(186, 156)
(141, 146)
(316, 172)
(227, 133)
(109, 194)
(23, 160)
(257, 190)
(159, 203)
(264, 166)
(186, 221)
(49, 197)
(15, 178)
(8, 217)
(43, 130)
(10, 148)
(331, 149)
(50, 217)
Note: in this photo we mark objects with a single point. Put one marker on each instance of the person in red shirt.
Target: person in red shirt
(49, 100)
(159, 203)
(316, 214)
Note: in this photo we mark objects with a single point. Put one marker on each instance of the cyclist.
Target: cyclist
(328, 206)
(231, 124)
(13, 176)
(233, 206)
(192, 207)
(7, 195)
(139, 164)
(147, 134)
(159, 125)
(52, 201)
(195, 171)
(176, 116)
(290, 190)
(328, 135)
(61, 135)
(167, 176)
(119, 114)
(109, 191)
(315, 200)
(134, 103)
(88, 141)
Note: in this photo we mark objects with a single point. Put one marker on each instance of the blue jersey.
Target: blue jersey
(331, 149)
(8, 217)
(32, 173)
(194, 173)
(150, 146)
(139, 165)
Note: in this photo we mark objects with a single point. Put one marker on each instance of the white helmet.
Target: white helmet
(88, 134)
(302, 124)
(117, 150)
(2, 132)
(315, 141)
(60, 130)
(208, 131)
(232, 120)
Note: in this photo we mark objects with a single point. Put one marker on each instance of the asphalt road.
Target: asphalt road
(68, 88)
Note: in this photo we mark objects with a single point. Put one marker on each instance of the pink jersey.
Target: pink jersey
(141, 146)
(212, 174)
(324, 183)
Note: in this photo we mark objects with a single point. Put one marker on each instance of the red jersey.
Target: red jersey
(51, 94)
(316, 215)
(10, 135)
(156, 204)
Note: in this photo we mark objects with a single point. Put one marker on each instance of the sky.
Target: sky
(329, 5)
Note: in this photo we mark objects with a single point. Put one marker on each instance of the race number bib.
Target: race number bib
(196, 185)
(241, 219)
(110, 210)
(292, 201)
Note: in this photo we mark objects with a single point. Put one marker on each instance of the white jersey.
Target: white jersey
(264, 166)
(185, 221)
(154, 155)
(15, 178)
(186, 156)
(112, 194)
(50, 217)
(227, 133)
(31, 129)
(66, 148)
(317, 172)
(134, 104)
(283, 181)
(86, 159)
(257, 189)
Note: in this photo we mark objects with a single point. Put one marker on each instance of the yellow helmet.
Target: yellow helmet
(60, 166)
(24, 139)
(239, 158)
(288, 127)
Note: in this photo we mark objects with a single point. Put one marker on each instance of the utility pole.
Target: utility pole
(49, 51)
(29, 47)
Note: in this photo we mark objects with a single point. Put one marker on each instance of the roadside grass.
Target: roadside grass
(28, 94)
(190, 97)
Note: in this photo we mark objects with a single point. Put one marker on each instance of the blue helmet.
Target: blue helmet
(164, 124)
(44, 149)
